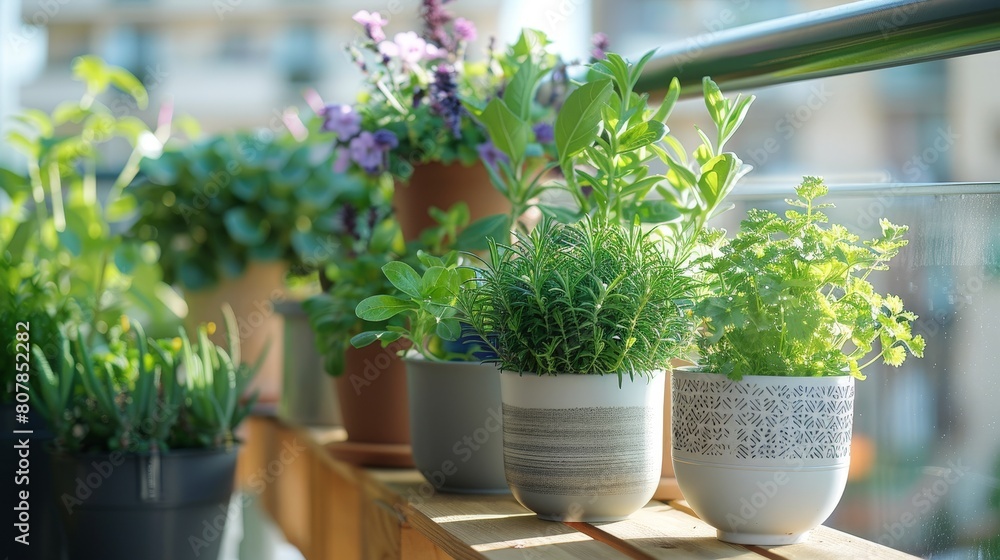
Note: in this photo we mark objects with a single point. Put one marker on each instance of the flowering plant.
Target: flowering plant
(413, 108)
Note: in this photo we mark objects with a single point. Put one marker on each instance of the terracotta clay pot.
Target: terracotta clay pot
(252, 298)
(434, 185)
(372, 394)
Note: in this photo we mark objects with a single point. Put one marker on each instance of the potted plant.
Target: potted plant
(144, 454)
(59, 258)
(413, 118)
(762, 427)
(371, 385)
(454, 399)
(218, 209)
(607, 137)
(586, 317)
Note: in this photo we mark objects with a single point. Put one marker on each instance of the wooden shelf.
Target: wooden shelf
(333, 510)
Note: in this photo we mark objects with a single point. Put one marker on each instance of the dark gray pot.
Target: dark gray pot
(455, 425)
(125, 506)
(309, 394)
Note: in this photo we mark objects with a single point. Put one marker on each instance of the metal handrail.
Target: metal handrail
(855, 37)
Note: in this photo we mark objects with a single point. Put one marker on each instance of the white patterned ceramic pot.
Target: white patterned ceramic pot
(579, 447)
(764, 460)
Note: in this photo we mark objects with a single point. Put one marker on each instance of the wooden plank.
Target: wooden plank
(830, 544)
(497, 528)
(380, 529)
(824, 543)
(289, 475)
(415, 546)
(341, 499)
(661, 531)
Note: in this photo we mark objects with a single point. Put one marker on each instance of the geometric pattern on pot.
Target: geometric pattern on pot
(762, 418)
(586, 451)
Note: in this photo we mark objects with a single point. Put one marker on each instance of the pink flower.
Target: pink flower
(373, 22)
(409, 48)
(465, 30)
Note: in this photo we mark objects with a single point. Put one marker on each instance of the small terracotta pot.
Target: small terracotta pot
(252, 298)
(434, 185)
(372, 394)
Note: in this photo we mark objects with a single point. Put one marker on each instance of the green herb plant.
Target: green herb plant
(607, 138)
(592, 297)
(609, 292)
(216, 204)
(143, 395)
(59, 232)
(790, 296)
(427, 303)
(353, 274)
(61, 259)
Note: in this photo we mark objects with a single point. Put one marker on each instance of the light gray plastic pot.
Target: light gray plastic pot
(455, 425)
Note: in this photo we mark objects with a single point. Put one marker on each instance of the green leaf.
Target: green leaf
(382, 307)
(91, 70)
(449, 329)
(521, 89)
(641, 135)
(122, 208)
(475, 237)
(714, 101)
(669, 100)
(125, 81)
(658, 212)
(403, 277)
(560, 214)
(245, 227)
(508, 132)
(528, 42)
(364, 339)
(579, 121)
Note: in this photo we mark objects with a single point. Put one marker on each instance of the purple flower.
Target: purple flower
(373, 23)
(490, 154)
(435, 20)
(544, 133)
(409, 48)
(465, 30)
(341, 160)
(365, 152)
(342, 120)
(444, 99)
(601, 44)
(385, 139)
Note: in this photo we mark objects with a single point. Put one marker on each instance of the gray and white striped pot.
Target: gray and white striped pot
(579, 447)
